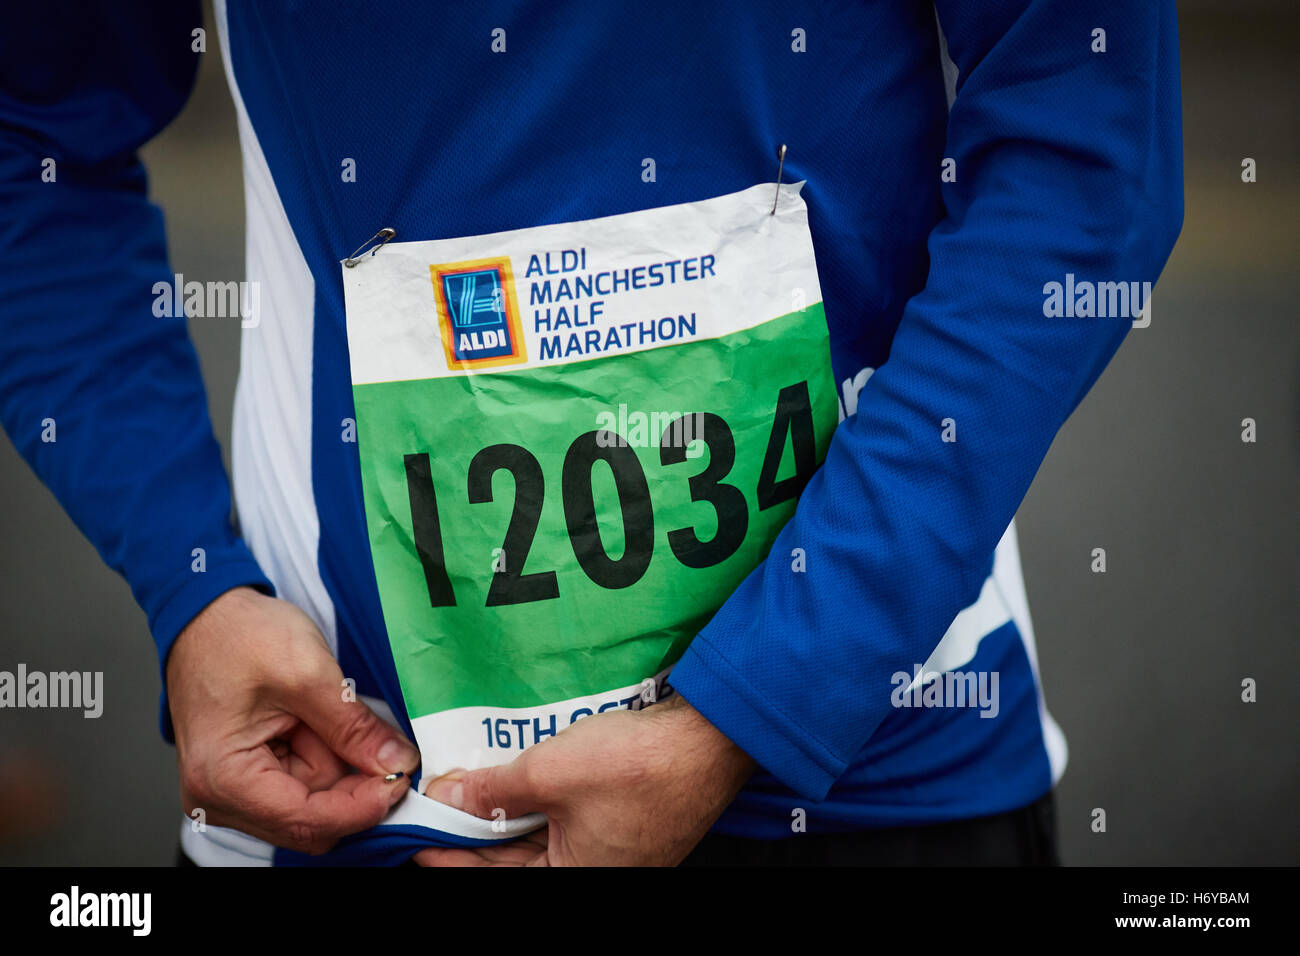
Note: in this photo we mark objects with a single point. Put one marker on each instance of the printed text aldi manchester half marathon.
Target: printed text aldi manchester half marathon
(560, 283)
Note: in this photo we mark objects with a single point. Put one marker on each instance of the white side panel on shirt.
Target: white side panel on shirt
(271, 454)
(272, 449)
(1011, 583)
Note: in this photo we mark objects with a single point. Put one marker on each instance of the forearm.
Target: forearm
(103, 398)
(1067, 162)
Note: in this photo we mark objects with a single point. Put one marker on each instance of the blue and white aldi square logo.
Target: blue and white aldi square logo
(478, 314)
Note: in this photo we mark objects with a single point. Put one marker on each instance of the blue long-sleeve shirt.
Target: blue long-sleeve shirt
(936, 231)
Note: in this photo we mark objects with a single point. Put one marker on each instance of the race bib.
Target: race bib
(576, 440)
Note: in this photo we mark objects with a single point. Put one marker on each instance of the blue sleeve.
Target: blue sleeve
(1068, 161)
(102, 398)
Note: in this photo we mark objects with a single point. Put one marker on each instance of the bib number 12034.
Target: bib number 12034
(792, 424)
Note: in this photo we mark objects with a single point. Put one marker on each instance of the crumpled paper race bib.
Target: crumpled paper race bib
(576, 440)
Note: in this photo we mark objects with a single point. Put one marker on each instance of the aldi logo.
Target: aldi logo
(478, 314)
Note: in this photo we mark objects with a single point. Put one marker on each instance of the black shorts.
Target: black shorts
(1024, 837)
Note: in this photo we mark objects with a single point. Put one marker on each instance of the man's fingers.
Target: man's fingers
(438, 857)
(451, 856)
(510, 787)
(356, 803)
(310, 760)
(314, 822)
(351, 729)
(523, 852)
(263, 800)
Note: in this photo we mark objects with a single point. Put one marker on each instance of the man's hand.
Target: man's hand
(264, 737)
(623, 788)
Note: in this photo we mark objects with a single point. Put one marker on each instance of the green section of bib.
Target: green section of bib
(589, 638)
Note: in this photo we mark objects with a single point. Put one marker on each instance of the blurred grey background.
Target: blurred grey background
(1142, 666)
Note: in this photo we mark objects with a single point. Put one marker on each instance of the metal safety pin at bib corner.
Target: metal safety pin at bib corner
(383, 235)
(780, 165)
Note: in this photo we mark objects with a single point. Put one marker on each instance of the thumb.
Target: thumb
(354, 731)
(483, 792)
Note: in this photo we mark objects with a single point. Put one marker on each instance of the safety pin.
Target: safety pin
(780, 155)
(383, 235)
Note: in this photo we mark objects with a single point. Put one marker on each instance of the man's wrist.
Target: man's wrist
(732, 763)
(217, 606)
